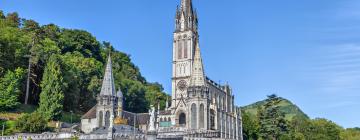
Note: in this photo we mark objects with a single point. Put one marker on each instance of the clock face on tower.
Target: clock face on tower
(182, 85)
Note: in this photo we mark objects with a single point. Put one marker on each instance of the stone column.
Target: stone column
(221, 124)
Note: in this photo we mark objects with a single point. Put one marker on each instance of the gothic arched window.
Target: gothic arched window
(185, 49)
(193, 116)
(180, 49)
(201, 115)
(212, 119)
(182, 119)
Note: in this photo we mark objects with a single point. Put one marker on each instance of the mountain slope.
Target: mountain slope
(290, 109)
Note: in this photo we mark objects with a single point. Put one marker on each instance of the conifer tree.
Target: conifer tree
(52, 95)
(272, 120)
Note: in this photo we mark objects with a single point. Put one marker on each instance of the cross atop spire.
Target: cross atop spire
(108, 86)
(198, 75)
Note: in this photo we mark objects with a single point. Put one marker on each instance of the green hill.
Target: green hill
(286, 106)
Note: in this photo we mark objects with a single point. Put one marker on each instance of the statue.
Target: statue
(152, 118)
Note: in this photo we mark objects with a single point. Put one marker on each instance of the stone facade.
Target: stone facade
(200, 108)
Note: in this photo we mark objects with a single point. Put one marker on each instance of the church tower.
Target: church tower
(185, 39)
(107, 101)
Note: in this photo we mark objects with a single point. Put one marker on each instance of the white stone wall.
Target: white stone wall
(87, 125)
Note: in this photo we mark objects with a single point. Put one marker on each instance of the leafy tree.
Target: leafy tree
(13, 19)
(81, 41)
(250, 126)
(134, 94)
(299, 127)
(154, 95)
(52, 95)
(10, 89)
(31, 123)
(322, 129)
(2, 16)
(51, 31)
(272, 120)
(350, 134)
(13, 47)
(80, 74)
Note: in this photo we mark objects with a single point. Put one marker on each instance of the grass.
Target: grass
(9, 126)
(70, 117)
(9, 118)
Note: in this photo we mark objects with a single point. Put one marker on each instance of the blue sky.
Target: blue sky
(306, 51)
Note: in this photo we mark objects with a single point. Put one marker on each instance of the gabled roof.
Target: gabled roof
(91, 114)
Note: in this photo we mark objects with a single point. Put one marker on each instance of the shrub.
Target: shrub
(31, 123)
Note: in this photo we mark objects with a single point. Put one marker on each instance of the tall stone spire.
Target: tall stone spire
(108, 86)
(186, 6)
(186, 18)
(198, 75)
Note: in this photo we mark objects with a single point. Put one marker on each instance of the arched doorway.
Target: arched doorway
(182, 119)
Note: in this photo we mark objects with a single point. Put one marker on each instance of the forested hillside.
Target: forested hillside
(277, 118)
(67, 67)
(285, 106)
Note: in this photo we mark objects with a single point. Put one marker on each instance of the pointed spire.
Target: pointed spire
(108, 86)
(186, 6)
(198, 75)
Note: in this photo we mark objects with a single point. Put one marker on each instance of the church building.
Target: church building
(200, 108)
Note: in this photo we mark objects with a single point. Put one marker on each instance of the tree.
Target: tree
(350, 134)
(134, 94)
(2, 16)
(13, 19)
(250, 126)
(299, 127)
(52, 95)
(323, 129)
(31, 123)
(10, 89)
(272, 120)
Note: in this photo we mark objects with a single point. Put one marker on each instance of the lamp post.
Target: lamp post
(71, 116)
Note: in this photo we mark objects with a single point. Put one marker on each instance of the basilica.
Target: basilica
(200, 109)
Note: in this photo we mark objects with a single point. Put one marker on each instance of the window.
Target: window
(185, 49)
(193, 116)
(179, 49)
(182, 119)
(201, 114)
(212, 119)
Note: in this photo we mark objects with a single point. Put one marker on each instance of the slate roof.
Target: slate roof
(90, 114)
(141, 118)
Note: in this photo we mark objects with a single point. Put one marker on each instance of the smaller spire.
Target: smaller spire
(198, 75)
(108, 86)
